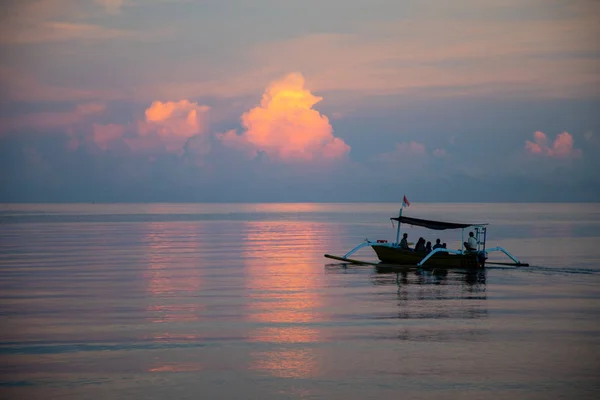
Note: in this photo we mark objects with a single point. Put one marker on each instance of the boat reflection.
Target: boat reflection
(283, 302)
(467, 280)
(438, 293)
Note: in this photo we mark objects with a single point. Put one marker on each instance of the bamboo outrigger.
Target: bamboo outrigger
(391, 254)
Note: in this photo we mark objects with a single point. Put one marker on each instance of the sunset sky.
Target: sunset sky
(273, 100)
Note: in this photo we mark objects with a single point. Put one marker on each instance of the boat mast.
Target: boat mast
(398, 230)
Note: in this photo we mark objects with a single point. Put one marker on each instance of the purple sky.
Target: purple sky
(329, 100)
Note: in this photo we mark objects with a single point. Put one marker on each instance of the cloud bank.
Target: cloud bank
(286, 127)
(562, 147)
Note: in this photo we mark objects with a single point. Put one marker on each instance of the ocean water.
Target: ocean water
(236, 301)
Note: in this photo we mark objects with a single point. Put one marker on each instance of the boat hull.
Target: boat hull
(397, 256)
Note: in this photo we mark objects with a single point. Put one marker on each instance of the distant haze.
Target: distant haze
(330, 100)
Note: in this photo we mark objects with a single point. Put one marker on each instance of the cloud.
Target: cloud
(478, 56)
(44, 121)
(286, 127)
(561, 148)
(105, 135)
(46, 21)
(173, 123)
(17, 85)
(54, 31)
(178, 119)
(165, 128)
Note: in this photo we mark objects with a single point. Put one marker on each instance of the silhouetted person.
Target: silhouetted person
(420, 247)
(428, 247)
(404, 242)
(437, 244)
(471, 243)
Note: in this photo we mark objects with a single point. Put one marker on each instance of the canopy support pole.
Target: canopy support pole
(399, 223)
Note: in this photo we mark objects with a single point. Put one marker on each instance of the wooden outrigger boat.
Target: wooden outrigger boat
(392, 255)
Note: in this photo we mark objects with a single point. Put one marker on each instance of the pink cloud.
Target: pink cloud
(286, 127)
(173, 123)
(562, 147)
(105, 135)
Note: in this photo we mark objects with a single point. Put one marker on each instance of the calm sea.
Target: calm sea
(236, 301)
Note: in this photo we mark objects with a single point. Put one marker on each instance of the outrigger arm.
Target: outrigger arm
(438, 250)
(360, 246)
(498, 248)
(502, 249)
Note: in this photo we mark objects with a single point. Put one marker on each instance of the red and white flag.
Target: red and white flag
(405, 202)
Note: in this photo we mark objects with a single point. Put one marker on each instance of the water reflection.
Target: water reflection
(173, 281)
(438, 294)
(463, 280)
(435, 300)
(171, 255)
(283, 298)
(175, 367)
(287, 363)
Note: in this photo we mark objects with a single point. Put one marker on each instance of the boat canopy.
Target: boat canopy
(436, 225)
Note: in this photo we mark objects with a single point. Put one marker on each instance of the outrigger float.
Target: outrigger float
(391, 255)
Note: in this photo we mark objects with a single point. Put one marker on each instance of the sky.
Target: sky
(300, 101)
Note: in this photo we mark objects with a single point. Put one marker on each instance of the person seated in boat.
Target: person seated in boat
(437, 244)
(444, 247)
(420, 246)
(428, 247)
(404, 242)
(471, 243)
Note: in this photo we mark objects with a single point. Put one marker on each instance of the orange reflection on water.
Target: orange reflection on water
(278, 270)
(291, 363)
(292, 334)
(174, 312)
(279, 258)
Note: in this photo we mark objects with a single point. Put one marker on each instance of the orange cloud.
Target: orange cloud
(561, 148)
(173, 122)
(286, 127)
